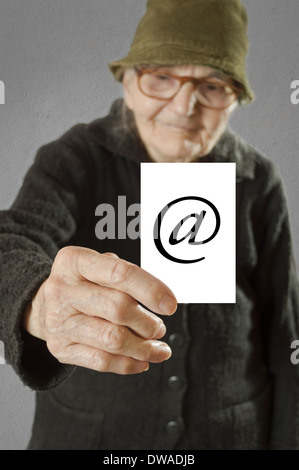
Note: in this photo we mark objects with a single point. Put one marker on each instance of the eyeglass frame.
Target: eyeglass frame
(237, 90)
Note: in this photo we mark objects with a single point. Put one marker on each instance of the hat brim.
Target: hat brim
(183, 57)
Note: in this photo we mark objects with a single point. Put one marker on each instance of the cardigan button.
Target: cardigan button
(175, 383)
(176, 340)
(173, 428)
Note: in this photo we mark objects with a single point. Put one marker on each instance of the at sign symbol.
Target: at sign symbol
(183, 226)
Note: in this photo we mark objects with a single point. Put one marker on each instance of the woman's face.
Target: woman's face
(180, 129)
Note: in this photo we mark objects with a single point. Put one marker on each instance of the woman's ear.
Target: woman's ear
(128, 79)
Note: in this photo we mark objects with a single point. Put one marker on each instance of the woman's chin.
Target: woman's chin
(181, 153)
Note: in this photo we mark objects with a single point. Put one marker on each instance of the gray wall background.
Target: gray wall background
(53, 62)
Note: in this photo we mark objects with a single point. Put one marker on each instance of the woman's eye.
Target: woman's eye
(212, 87)
(163, 77)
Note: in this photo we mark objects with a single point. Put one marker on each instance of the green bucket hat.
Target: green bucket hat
(192, 32)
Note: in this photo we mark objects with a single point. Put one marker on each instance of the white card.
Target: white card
(188, 224)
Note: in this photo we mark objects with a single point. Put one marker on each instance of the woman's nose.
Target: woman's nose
(185, 101)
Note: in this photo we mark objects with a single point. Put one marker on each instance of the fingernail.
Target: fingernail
(167, 304)
(165, 348)
(162, 330)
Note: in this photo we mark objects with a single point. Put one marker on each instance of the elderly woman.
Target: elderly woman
(115, 362)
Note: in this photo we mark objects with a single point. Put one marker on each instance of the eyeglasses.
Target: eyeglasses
(164, 86)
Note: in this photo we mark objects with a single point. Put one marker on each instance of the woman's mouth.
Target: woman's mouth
(179, 127)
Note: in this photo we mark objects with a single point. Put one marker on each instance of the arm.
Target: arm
(43, 217)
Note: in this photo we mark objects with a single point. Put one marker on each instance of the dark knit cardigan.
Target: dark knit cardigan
(230, 383)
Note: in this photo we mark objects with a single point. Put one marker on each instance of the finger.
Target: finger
(116, 307)
(119, 340)
(126, 277)
(101, 361)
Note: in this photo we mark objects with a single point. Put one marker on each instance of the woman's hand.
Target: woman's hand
(88, 313)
